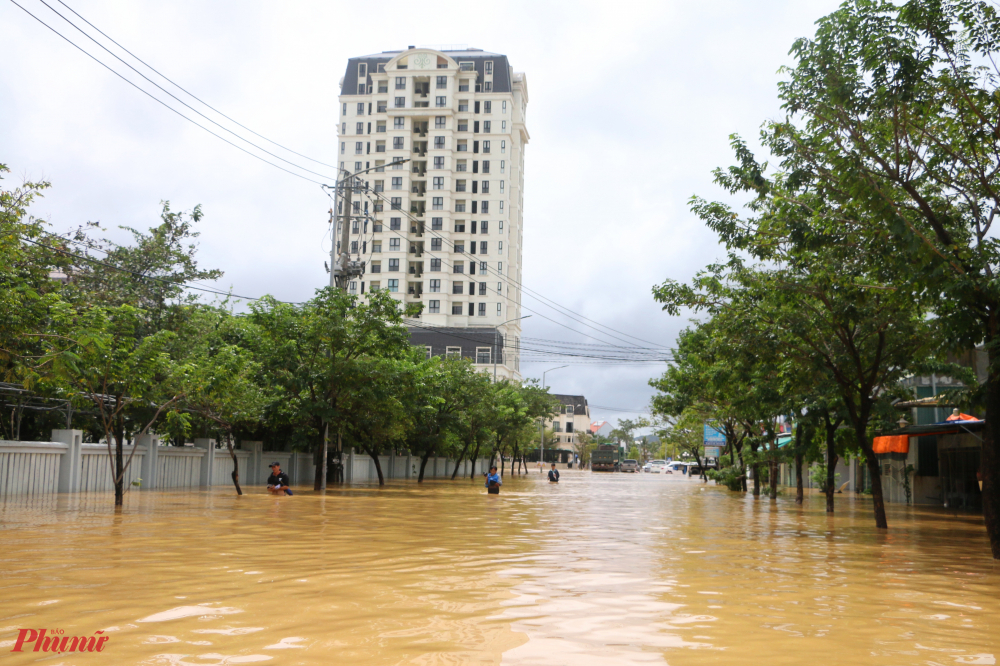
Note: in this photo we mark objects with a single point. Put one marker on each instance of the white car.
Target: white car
(645, 468)
(657, 466)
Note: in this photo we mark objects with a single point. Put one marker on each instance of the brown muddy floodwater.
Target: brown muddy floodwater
(600, 569)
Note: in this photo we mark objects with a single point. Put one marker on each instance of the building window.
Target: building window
(486, 167)
(472, 309)
(569, 410)
(396, 165)
(460, 186)
(435, 286)
(382, 106)
(353, 288)
(482, 268)
(343, 147)
(393, 285)
(439, 143)
(463, 105)
(437, 223)
(376, 265)
(486, 126)
(360, 127)
(400, 83)
(482, 288)
(463, 85)
(357, 167)
(485, 226)
(395, 223)
(503, 148)
(394, 265)
(440, 102)
(488, 87)
(438, 182)
(457, 288)
(458, 267)
(435, 265)
(379, 166)
(486, 190)
(397, 183)
(482, 309)
(460, 226)
(438, 162)
(396, 203)
(383, 87)
(435, 245)
(380, 146)
(498, 305)
(459, 206)
(397, 143)
(503, 125)
(502, 163)
(433, 307)
(501, 187)
(503, 107)
(500, 247)
(463, 146)
(398, 123)
(569, 424)
(361, 108)
(483, 355)
(499, 291)
(486, 146)
(453, 352)
(500, 267)
(439, 122)
(376, 246)
(344, 111)
(489, 68)
(400, 102)
(459, 247)
(482, 247)
(442, 82)
(437, 203)
(354, 247)
(359, 147)
(463, 125)
(393, 245)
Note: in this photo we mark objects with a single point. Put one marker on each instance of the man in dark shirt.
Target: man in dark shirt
(278, 482)
(554, 474)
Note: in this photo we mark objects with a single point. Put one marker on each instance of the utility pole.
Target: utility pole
(342, 269)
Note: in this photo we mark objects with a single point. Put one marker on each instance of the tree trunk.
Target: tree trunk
(318, 457)
(831, 467)
(772, 469)
(989, 467)
(475, 458)
(373, 454)
(119, 457)
(423, 465)
(799, 492)
(458, 462)
(236, 464)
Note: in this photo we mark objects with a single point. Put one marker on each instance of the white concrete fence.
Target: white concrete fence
(67, 465)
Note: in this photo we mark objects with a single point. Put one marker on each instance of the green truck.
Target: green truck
(606, 458)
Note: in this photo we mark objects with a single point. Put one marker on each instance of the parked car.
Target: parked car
(657, 466)
(645, 468)
(630, 466)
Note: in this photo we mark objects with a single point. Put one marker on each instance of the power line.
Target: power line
(159, 101)
(192, 95)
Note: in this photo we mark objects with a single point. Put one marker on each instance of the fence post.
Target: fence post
(70, 462)
(255, 461)
(150, 460)
(207, 460)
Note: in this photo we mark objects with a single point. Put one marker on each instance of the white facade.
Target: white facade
(447, 225)
(572, 419)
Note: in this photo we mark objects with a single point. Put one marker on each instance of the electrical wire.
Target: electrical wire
(187, 92)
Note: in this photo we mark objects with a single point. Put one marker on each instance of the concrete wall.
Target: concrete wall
(66, 464)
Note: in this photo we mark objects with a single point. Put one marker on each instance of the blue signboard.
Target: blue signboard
(713, 437)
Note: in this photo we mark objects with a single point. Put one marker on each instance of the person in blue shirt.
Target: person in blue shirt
(493, 482)
(554, 474)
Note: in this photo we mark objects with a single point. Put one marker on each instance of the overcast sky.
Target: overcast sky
(631, 106)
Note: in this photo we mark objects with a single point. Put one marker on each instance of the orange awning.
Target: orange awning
(892, 444)
(961, 417)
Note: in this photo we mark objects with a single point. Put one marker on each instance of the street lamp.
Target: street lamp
(496, 337)
(541, 426)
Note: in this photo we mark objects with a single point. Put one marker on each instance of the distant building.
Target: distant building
(600, 428)
(481, 345)
(447, 225)
(573, 418)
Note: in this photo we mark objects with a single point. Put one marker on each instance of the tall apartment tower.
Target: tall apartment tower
(448, 224)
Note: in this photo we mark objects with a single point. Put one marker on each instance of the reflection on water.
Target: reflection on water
(600, 569)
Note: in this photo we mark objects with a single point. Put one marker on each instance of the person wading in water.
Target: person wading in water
(493, 482)
(554, 474)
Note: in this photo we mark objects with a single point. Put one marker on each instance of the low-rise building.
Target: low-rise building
(573, 418)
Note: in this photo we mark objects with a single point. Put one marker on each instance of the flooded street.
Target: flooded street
(601, 569)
